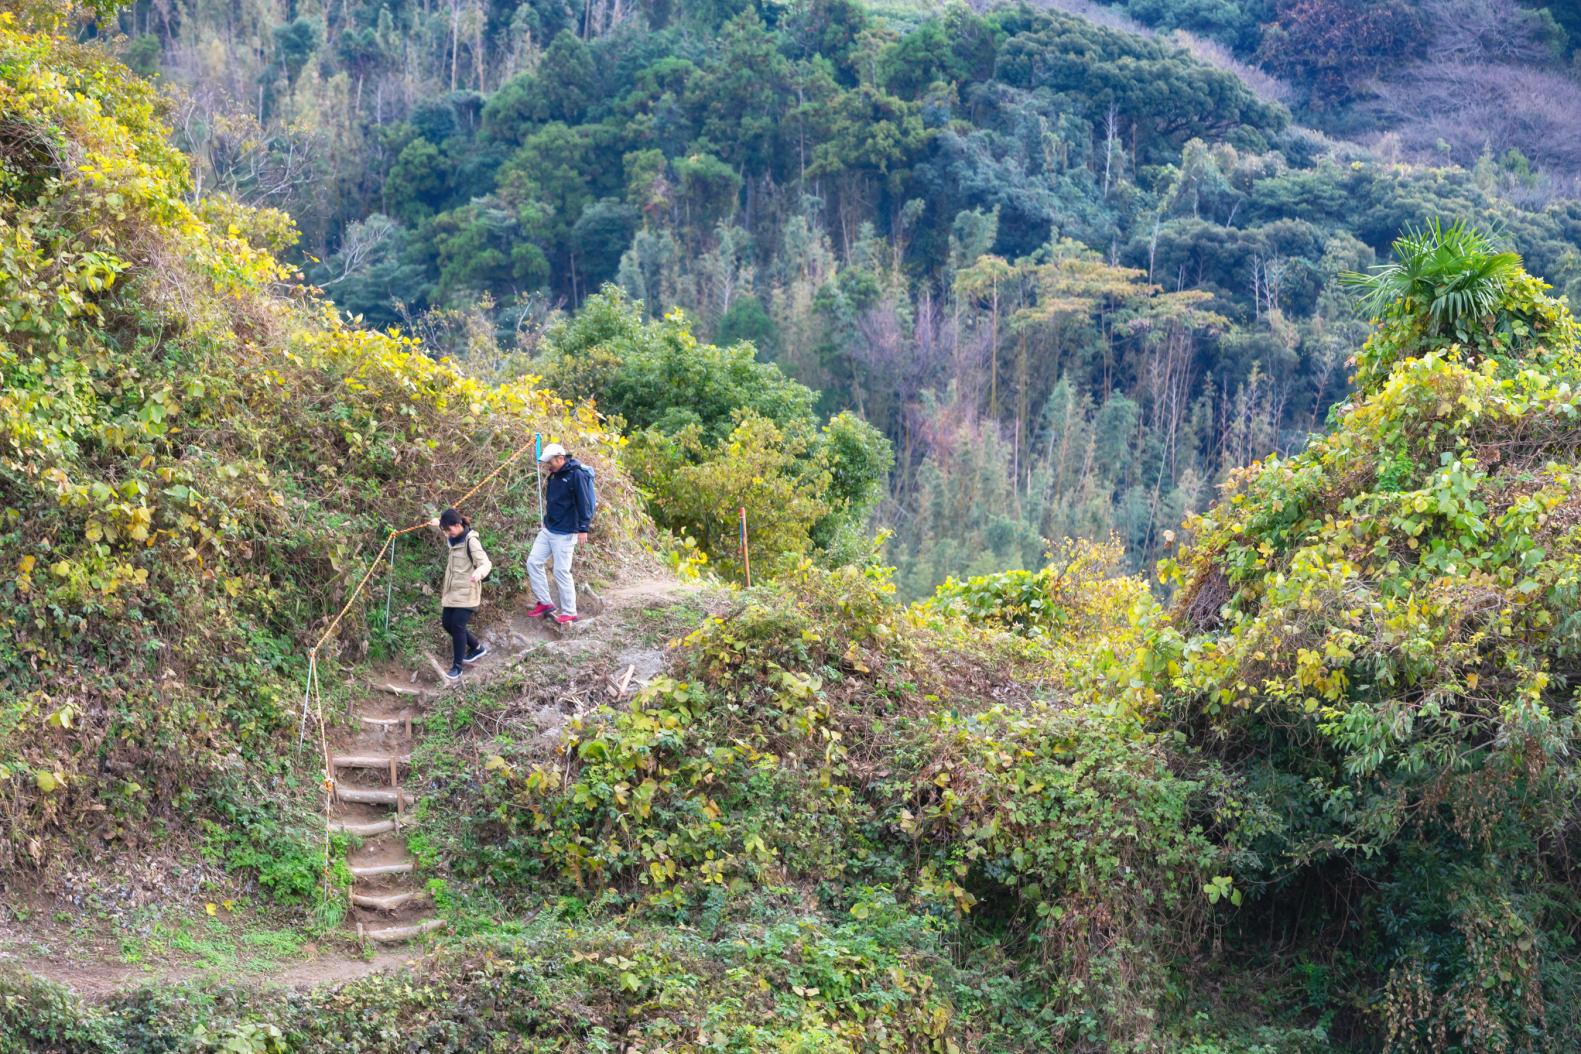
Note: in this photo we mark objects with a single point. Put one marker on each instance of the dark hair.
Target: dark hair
(450, 517)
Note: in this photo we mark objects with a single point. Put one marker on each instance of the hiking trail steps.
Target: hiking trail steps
(609, 656)
(389, 900)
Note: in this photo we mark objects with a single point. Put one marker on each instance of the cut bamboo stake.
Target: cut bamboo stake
(746, 556)
(398, 689)
(307, 695)
(537, 438)
(389, 585)
(396, 934)
(438, 669)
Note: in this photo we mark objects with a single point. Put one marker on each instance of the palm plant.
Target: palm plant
(1445, 274)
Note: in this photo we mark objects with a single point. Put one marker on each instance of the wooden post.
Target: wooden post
(746, 556)
(331, 777)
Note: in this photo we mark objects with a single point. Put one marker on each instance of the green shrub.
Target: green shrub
(823, 737)
(795, 984)
(1376, 634)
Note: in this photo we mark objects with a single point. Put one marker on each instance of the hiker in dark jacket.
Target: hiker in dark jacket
(468, 565)
(567, 517)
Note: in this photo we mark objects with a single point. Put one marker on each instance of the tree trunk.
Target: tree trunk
(993, 357)
(455, 42)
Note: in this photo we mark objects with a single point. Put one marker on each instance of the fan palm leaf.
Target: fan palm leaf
(1444, 274)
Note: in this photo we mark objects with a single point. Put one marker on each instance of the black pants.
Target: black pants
(462, 642)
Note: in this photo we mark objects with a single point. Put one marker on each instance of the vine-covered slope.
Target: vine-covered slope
(197, 460)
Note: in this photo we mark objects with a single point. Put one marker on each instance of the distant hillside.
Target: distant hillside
(1075, 269)
(1489, 82)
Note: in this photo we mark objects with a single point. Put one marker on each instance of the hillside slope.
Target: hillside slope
(1378, 637)
(197, 462)
(1323, 798)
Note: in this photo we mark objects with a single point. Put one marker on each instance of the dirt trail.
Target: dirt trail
(100, 980)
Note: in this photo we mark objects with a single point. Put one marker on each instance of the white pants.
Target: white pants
(560, 548)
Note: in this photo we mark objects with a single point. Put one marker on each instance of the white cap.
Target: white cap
(552, 450)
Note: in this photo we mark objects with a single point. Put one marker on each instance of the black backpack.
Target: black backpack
(592, 485)
(470, 535)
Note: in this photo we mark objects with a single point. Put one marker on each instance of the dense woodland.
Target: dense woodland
(1072, 273)
(998, 277)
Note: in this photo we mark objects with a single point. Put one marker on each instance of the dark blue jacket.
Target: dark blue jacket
(568, 499)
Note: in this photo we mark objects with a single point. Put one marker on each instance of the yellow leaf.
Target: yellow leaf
(211, 907)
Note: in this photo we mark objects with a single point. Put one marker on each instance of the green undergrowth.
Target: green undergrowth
(1378, 638)
(197, 462)
(819, 747)
(796, 983)
(792, 982)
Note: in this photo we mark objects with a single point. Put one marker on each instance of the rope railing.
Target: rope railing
(312, 696)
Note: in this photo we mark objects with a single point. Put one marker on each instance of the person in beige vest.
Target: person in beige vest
(465, 571)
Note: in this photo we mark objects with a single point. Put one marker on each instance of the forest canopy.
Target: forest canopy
(1099, 262)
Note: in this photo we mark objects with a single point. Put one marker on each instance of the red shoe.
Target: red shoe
(540, 611)
(565, 619)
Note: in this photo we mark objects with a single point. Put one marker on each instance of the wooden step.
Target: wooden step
(390, 901)
(371, 761)
(389, 724)
(405, 867)
(396, 934)
(374, 796)
(366, 830)
(405, 690)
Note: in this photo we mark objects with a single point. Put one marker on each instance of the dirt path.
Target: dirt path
(390, 901)
(102, 979)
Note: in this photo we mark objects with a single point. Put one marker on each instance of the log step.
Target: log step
(409, 691)
(386, 724)
(396, 934)
(370, 761)
(389, 901)
(366, 830)
(405, 867)
(374, 796)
